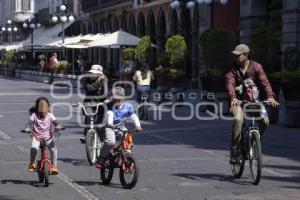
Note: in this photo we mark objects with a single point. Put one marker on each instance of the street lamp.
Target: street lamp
(32, 24)
(63, 17)
(9, 28)
(189, 4)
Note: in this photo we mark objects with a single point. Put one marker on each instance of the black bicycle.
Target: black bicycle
(143, 107)
(250, 146)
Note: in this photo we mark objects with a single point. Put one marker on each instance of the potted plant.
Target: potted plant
(291, 86)
(160, 72)
(266, 46)
(217, 45)
(63, 66)
(42, 62)
(128, 63)
(176, 49)
(8, 63)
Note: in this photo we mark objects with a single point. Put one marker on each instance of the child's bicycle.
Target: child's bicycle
(122, 157)
(44, 164)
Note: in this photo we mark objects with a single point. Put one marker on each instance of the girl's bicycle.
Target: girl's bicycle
(44, 164)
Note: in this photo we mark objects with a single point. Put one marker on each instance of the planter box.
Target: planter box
(7, 72)
(292, 114)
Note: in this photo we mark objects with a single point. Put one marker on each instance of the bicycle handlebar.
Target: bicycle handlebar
(89, 106)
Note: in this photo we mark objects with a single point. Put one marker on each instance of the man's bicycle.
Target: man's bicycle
(93, 141)
(250, 147)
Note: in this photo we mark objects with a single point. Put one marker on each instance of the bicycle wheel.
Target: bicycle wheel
(91, 146)
(41, 176)
(129, 173)
(255, 157)
(46, 173)
(107, 171)
(238, 168)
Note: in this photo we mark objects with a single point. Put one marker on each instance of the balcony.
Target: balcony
(21, 16)
(91, 5)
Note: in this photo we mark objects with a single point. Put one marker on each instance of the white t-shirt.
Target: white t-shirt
(139, 78)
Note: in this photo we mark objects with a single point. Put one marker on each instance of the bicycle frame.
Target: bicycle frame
(44, 157)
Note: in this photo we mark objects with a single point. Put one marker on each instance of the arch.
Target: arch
(151, 24)
(108, 25)
(141, 25)
(102, 26)
(132, 25)
(123, 23)
(161, 32)
(161, 23)
(174, 23)
(96, 28)
(116, 25)
(83, 29)
(77, 29)
(90, 28)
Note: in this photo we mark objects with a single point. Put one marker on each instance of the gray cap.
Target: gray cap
(118, 93)
(241, 48)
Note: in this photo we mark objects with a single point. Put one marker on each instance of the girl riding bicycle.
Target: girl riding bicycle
(40, 126)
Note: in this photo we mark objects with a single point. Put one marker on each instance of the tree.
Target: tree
(144, 51)
(176, 49)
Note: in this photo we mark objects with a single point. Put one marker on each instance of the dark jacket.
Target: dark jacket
(94, 89)
(256, 73)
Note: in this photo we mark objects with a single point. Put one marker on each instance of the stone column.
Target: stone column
(291, 24)
(253, 15)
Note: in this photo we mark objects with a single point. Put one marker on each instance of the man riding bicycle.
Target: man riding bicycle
(242, 82)
(94, 84)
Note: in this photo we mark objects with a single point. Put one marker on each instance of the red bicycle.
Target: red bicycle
(122, 157)
(44, 164)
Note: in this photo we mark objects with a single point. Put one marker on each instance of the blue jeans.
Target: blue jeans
(142, 89)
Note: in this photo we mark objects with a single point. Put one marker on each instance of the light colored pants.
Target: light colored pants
(35, 147)
(109, 141)
(238, 115)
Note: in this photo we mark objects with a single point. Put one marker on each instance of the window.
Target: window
(26, 5)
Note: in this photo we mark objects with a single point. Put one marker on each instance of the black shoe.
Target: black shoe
(83, 139)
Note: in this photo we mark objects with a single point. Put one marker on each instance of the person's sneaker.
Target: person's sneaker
(233, 155)
(233, 160)
(32, 167)
(83, 139)
(100, 163)
(54, 170)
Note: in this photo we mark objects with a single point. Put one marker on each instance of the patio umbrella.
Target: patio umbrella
(116, 40)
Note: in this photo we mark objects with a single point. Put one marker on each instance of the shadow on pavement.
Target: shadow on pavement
(75, 162)
(22, 182)
(9, 198)
(215, 177)
(90, 183)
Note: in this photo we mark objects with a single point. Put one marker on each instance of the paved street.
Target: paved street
(178, 159)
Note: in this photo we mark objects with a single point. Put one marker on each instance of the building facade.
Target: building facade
(17, 11)
(45, 9)
(157, 19)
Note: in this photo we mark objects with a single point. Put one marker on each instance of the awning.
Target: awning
(45, 36)
(116, 40)
(9, 47)
(84, 41)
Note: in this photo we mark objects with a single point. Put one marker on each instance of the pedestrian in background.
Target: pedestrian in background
(143, 78)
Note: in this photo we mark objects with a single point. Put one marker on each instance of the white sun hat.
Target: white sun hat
(96, 69)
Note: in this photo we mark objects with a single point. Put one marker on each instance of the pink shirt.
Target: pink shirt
(42, 126)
